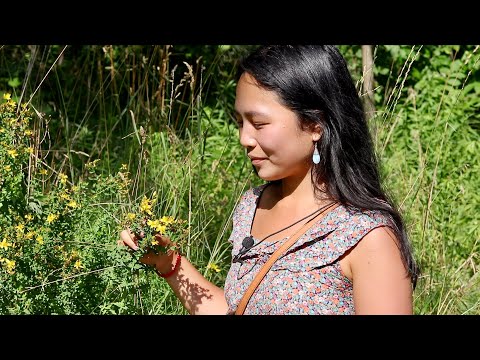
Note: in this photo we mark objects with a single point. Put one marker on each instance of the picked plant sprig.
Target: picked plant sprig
(157, 234)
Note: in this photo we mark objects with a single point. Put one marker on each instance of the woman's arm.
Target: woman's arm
(198, 295)
(381, 284)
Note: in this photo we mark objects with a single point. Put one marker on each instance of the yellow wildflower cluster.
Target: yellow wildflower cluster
(13, 153)
(74, 256)
(160, 225)
(73, 204)
(65, 195)
(157, 226)
(92, 164)
(144, 222)
(15, 136)
(63, 178)
(20, 229)
(9, 265)
(4, 244)
(52, 217)
(9, 104)
(214, 267)
(146, 205)
(167, 220)
(124, 180)
(78, 265)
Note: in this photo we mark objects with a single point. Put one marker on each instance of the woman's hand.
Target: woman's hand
(161, 261)
(129, 239)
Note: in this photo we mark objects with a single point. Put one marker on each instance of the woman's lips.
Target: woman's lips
(256, 160)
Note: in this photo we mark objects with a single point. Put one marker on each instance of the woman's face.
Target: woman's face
(270, 133)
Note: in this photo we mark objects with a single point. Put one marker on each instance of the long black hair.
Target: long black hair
(314, 82)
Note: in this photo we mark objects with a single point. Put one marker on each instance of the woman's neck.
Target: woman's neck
(297, 190)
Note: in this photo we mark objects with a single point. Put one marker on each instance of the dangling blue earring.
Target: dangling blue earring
(316, 155)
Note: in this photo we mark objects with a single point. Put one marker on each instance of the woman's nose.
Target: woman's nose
(247, 139)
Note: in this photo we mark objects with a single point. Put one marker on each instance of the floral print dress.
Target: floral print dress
(308, 278)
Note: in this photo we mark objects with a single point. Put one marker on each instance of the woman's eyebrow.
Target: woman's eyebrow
(250, 113)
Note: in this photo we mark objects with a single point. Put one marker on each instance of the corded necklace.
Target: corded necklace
(248, 241)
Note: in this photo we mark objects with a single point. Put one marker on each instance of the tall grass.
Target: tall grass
(428, 141)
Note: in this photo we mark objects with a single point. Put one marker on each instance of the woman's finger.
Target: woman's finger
(128, 238)
(163, 240)
(149, 258)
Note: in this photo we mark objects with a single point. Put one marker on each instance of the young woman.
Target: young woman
(302, 124)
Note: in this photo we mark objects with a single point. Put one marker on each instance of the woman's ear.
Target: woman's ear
(316, 132)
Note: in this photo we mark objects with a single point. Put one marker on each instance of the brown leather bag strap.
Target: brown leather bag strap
(269, 263)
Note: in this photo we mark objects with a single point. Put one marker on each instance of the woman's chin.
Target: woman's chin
(266, 172)
(264, 175)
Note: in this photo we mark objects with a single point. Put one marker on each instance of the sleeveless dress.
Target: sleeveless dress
(308, 278)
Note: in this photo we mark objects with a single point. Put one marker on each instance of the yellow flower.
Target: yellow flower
(92, 164)
(146, 206)
(13, 153)
(29, 217)
(29, 150)
(10, 265)
(7, 96)
(20, 228)
(29, 235)
(75, 188)
(73, 204)
(4, 244)
(65, 196)
(155, 224)
(154, 241)
(7, 168)
(63, 178)
(39, 239)
(52, 217)
(43, 172)
(124, 167)
(28, 132)
(2, 130)
(78, 264)
(131, 216)
(213, 267)
(167, 220)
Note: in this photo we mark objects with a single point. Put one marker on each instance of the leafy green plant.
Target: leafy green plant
(57, 254)
(427, 143)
